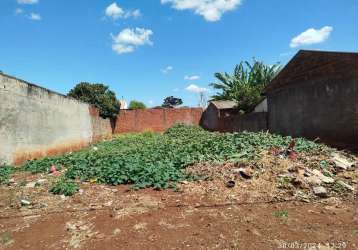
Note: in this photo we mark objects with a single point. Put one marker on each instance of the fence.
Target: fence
(155, 119)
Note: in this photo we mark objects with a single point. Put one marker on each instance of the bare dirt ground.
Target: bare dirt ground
(265, 208)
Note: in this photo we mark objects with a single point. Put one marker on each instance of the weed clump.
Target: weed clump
(5, 174)
(65, 187)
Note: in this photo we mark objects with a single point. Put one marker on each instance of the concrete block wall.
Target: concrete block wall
(36, 122)
(316, 96)
(322, 109)
(252, 122)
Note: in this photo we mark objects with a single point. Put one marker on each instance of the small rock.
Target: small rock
(320, 191)
(230, 184)
(255, 232)
(108, 204)
(322, 177)
(25, 202)
(70, 226)
(80, 191)
(341, 162)
(314, 180)
(12, 181)
(245, 173)
(31, 184)
(349, 187)
(41, 181)
(116, 231)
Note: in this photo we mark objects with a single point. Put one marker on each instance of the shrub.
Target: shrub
(5, 174)
(64, 187)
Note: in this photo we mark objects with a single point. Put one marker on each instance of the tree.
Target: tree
(136, 105)
(99, 96)
(172, 102)
(245, 85)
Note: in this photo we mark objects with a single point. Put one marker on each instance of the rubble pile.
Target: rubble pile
(282, 174)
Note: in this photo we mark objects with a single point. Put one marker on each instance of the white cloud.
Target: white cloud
(129, 39)
(311, 36)
(167, 69)
(211, 10)
(115, 12)
(135, 13)
(196, 89)
(19, 11)
(27, 1)
(151, 102)
(192, 78)
(35, 17)
(176, 90)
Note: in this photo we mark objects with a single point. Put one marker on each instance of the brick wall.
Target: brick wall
(155, 119)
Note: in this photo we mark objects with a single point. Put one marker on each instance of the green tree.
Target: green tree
(172, 102)
(136, 105)
(98, 95)
(245, 85)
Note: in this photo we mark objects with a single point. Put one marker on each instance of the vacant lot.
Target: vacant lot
(187, 188)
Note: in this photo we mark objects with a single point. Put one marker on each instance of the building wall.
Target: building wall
(155, 119)
(36, 122)
(209, 118)
(252, 122)
(324, 107)
(261, 107)
(230, 120)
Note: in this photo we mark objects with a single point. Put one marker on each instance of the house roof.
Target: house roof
(308, 64)
(224, 104)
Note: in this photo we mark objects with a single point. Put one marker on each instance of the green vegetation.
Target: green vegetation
(172, 102)
(283, 214)
(6, 238)
(136, 105)
(158, 160)
(5, 174)
(245, 86)
(64, 187)
(99, 96)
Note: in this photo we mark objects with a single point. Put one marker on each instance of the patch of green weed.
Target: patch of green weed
(283, 214)
(5, 174)
(64, 187)
(159, 160)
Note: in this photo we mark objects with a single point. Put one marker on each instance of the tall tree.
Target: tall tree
(136, 105)
(245, 85)
(98, 95)
(172, 102)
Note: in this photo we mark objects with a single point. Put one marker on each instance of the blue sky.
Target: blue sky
(149, 49)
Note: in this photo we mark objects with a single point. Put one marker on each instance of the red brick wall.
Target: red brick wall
(155, 119)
